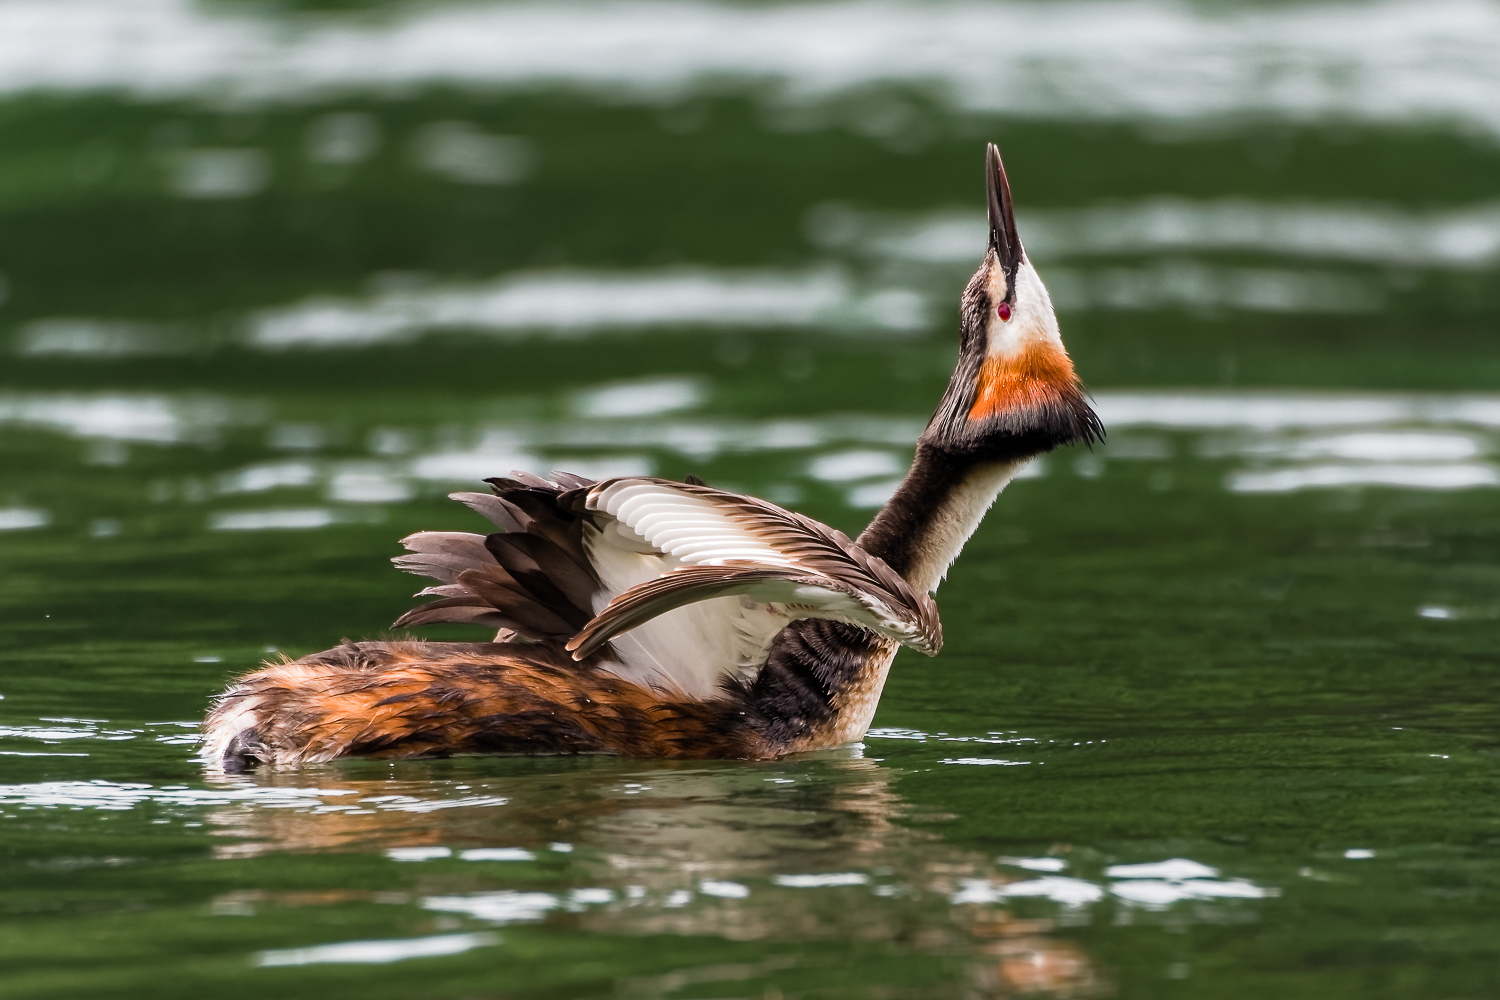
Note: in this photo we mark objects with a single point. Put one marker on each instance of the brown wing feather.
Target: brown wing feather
(561, 567)
(445, 590)
(437, 566)
(460, 544)
(532, 618)
(533, 575)
(466, 610)
(547, 572)
(503, 515)
(546, 517)
(568, 481)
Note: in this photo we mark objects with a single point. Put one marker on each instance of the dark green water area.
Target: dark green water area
(1219, 710)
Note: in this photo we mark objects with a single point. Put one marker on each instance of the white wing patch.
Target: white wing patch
(689, 650)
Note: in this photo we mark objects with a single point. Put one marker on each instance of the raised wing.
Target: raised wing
(761, 565)
(676, 585)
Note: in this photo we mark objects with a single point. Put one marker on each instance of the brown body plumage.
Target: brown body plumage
(413, 699)
(660, 619)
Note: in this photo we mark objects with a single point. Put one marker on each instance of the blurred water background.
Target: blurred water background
(1218, 711)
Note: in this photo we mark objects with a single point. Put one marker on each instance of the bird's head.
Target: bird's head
(1014, 393)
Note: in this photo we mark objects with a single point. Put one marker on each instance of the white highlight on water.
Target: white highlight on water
(23, 518)
(724, 889)
(1154, 885)
(823, 881)
(645, 397)
(375, 952)
(578, 302)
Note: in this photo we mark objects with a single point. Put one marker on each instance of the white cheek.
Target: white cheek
(1032, 320)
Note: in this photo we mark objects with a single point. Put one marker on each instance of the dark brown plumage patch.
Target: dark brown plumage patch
(819, 685)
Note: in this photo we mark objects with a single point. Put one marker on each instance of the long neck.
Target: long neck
(939, 504)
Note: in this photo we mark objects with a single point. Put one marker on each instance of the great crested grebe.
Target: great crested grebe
(661, 619)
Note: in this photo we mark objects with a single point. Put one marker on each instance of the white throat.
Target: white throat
(954, 521)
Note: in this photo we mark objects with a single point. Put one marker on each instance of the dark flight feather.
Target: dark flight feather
(533, 574)
(533, 619)
(438, 566)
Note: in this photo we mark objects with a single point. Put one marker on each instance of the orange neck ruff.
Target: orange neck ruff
(1035, 377)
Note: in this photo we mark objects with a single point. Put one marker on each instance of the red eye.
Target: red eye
(1003, 311)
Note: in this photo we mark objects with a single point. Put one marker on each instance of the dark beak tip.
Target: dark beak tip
(1003, 237)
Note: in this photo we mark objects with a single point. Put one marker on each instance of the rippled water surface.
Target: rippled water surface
(1217, 715)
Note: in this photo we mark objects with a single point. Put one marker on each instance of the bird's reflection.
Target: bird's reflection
(795, 850)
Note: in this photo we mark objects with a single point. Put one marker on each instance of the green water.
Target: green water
(1249, 644)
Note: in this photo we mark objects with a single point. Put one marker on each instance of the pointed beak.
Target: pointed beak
(1003, 238)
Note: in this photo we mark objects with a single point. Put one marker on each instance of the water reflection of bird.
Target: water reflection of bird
(824, 852)
(653, 618)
